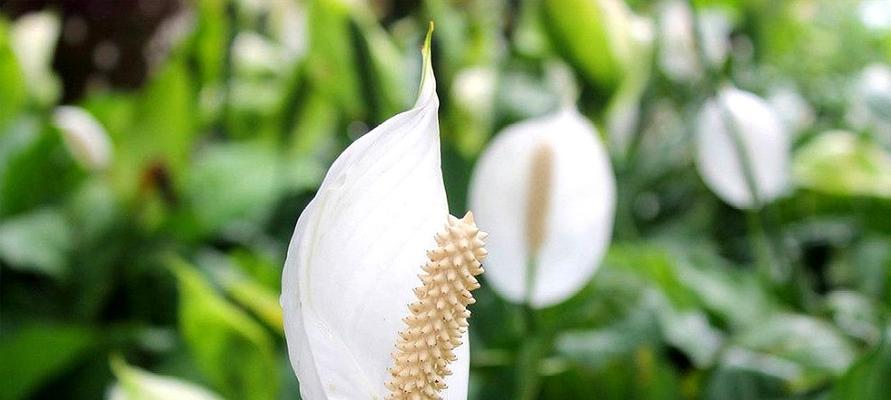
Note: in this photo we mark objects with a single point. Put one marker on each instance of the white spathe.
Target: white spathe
(763, 140)
(578, 209)
(84, 136)
(356, 253)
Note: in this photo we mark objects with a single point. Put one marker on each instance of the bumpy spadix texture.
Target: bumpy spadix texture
(438, 320)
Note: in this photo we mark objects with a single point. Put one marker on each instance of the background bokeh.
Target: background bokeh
(156, 240)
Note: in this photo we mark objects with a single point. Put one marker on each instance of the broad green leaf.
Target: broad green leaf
(233, 186)
(750, 377)
(331, 60)
(594, 35)
(229, 347)
(868, 378)
(386, 75)
(816, 350)
(655, 264)
(260, 300)
(161, 132)
(35, 168)
(39, 241)
(14, 95)
(735, 295)
(596, 348)
(840, 163)
(243, 287)
(33, 354)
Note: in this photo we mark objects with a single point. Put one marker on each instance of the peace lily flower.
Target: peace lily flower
(84, 136)
(34, 36)
(738, 122)
(678, 57)
(358, 322)
(870, 102)
(545, 191)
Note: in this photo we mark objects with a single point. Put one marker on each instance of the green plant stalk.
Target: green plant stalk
(531, 350)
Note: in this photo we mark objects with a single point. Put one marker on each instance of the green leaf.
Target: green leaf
(331, 61)
(655, 264)
(596, 348)
(385, 76)
(868, 378)
(14, 94)
(161, 131)
(33, 354)
(838, 162)
(35, 168)
(39, 241)
(230, 348)
(260, 300)
(594, 35)
(817, 351)
(233, 186)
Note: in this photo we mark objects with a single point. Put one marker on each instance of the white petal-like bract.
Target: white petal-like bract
(545, 192)
(356, 253)
(84, 136)
(736, 113)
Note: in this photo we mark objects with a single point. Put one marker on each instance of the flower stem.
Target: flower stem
(531, 351)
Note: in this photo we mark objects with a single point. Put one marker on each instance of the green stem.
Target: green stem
(528, 377)
(531, 350)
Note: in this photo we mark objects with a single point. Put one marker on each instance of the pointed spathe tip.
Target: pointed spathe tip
(428, 38)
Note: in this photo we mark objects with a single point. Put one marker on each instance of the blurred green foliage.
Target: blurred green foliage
(171, 257)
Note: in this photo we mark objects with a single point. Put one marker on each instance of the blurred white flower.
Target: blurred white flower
(716, 26)
(34, 38)
(288, 20)
(678, 56)
(793, 110)
(355, 257)
(677, 42)
(545, 191)
(870, 102)
(474, 89)
(253, 53)
(84, 136)
(875, 14)
(736, 114)
(136, 384)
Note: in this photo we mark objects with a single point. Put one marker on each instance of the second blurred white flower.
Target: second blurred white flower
(545, 191)
(733, 119)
